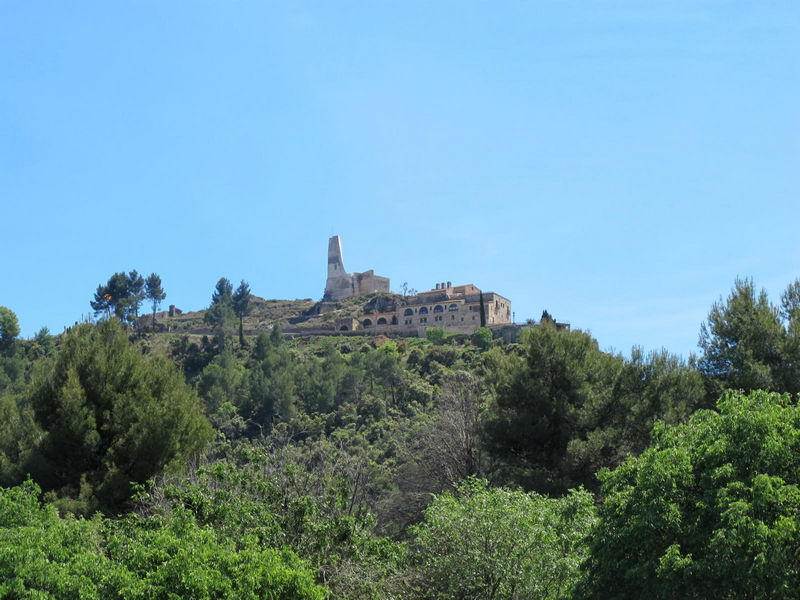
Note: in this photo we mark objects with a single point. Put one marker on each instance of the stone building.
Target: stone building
(454, 308)
(341, 284)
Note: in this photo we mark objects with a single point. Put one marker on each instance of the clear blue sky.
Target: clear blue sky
(616, 163)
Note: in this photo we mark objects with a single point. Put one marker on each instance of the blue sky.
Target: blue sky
(616, 163)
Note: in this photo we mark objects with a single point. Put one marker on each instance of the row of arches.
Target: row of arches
(424, 310)
(380, 321)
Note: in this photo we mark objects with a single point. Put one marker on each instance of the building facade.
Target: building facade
(457, 309)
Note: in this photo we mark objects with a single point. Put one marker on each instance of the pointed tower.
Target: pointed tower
(339, 284)
(335, 264)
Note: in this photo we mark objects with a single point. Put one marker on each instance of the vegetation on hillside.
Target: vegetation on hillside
(140, 462)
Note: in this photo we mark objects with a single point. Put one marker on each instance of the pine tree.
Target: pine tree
(241, 306)
(154, 292)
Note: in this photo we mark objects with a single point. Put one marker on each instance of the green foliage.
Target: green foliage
(483, 312)
(493, 543)
(241, 306)
(155, 293)
(223, 292)
(9, 328)
(311, 498)
(435, 334)
(742, 341)
(483, 337)
(222, 320)
(19, 434)
(558, 393)
(163, 557)
(565, 409)
(121, 296)
(711, 510)
(111, 416)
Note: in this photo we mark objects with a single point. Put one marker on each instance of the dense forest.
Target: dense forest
(136, 463)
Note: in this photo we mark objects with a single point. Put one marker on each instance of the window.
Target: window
(438, 308)
(423, 310)
(423, 320)
(453, 307)
(366, 323)
(381, 321)
(408, 312)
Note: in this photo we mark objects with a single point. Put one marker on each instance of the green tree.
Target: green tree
(111, 416)
(710, 510)
(311, 498)
(742, 341)
(121, 295)
(483, 338)
(223, 292)
(136, 294)
(221, 318)
(559, 393)
(241, 306)
(790, 353)
(9, 328)
(435, 334)
(155, 293)
(161, 557)
(483, 312)
(497, 544)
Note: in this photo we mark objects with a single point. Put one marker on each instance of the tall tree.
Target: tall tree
(111, 416)
(558, 394)
(121, 295)
(710, 510)
(241, 306)
(9, 327)
(497, 544)
(135, 293)
(790, 354)
(223, 292)
(221, 318)
(155, 293)
(483, 312)
(742, 341)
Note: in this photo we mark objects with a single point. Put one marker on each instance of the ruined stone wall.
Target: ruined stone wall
(341, 284)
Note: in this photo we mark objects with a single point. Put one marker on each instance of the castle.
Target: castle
(457, 309)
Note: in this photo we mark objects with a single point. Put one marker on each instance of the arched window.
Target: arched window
(438, 308)
(382, 321)
(408, 312)
(344, 328)
(453, 307)
(423, 310)
(367, 323)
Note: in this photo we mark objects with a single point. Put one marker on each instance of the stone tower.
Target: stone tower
(339, 284)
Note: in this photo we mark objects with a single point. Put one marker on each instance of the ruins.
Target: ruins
(341, 284)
